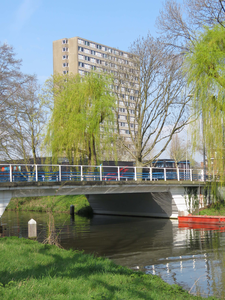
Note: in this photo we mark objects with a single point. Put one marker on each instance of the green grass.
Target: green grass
(215, 209)
(30, 270)
(43, 204)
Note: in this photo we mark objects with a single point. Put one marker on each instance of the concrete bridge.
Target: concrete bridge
(149, 192)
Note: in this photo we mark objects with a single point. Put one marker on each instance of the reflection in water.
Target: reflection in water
(192, 258)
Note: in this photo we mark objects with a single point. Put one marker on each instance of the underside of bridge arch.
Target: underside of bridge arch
(159, 204)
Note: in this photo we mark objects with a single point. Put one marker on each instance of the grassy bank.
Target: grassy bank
(30, 270)
(53, 203)
(214, 209)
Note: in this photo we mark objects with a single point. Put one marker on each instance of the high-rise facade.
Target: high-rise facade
(79, 55)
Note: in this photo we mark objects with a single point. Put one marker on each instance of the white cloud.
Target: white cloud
(24, 13)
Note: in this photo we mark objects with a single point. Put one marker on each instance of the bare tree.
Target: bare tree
(179, 23)
(158, 108)
(177, 150)
(23, 130)
(18, 108)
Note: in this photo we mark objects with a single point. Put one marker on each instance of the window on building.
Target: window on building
(92, 52)
(65, 64)
(132, 125)
(121, 53)
(80, 49)
(87, 58)
(122, 124)
(65, 72)
(81, 64)
(65, 49)
(99, 47)
(86, 43)
(65, 57)
(127, 131)
(93, 67)
(65, 41)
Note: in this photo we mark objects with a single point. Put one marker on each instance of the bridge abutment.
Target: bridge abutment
(5, 197)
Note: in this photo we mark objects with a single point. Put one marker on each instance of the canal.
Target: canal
(192, 258)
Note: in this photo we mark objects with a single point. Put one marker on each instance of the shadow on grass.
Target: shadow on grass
(67, 263)
(44, 262)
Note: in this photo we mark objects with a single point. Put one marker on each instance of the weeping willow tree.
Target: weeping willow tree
(81, 124)
(205, 67)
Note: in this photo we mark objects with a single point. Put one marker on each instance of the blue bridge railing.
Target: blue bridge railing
(54, 173)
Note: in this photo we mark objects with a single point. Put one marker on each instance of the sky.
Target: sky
(30, 26)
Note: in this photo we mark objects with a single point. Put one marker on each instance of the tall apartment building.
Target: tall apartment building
(78, 55)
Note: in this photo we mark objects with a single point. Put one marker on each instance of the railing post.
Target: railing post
(135, 173)
(36, 173)
(150, 173)
(60, 173)
(178, 174)
(100, 172)
(81, 173)
(10, 173)
(191, 174)
(118, 171)
(164, 174)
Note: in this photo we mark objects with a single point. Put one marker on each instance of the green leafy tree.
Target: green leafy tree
(205, 66)
(82, 121)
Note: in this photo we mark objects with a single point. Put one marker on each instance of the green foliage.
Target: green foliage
(215, 209)
(48, 203)
(82, 116)
(30, 270)
(205, 67)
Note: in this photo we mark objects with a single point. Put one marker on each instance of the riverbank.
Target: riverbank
(214, 209)
(49, 203)
(30, 270)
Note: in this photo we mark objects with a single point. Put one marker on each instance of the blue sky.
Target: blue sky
(30, 26)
